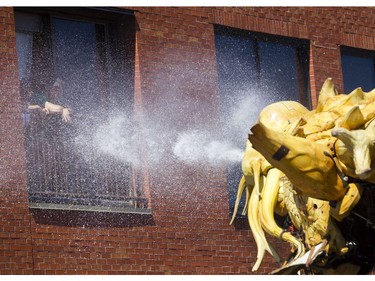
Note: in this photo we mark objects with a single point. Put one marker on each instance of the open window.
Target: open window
(90, 51)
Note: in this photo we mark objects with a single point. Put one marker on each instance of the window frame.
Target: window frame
(302, 50)
(122, 46)
(356, 52)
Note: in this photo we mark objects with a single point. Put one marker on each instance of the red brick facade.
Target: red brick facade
(188, 231)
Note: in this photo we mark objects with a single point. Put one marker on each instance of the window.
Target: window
(90, 54)
(358, 68)
(263, 69)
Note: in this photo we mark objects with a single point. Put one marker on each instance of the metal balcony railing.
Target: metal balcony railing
(59, 173)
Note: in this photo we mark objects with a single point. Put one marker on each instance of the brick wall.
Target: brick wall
(188, 231)
(15, 242)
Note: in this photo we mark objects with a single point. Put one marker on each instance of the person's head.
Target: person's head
(56, 89)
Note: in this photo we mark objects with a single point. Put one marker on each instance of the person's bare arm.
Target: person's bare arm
(51, 107)
(34, 106)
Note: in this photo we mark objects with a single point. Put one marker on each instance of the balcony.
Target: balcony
(65, 174)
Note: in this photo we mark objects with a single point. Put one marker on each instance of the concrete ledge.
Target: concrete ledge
(101, 209)
(90, 216)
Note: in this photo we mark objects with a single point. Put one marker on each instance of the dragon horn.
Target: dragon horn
(267, 205)
(241, 188)
(328, 91)
(254, 218)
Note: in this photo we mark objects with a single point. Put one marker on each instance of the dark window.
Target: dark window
(77, 60)
(262, 67)
(90, 53)
(358, 68)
